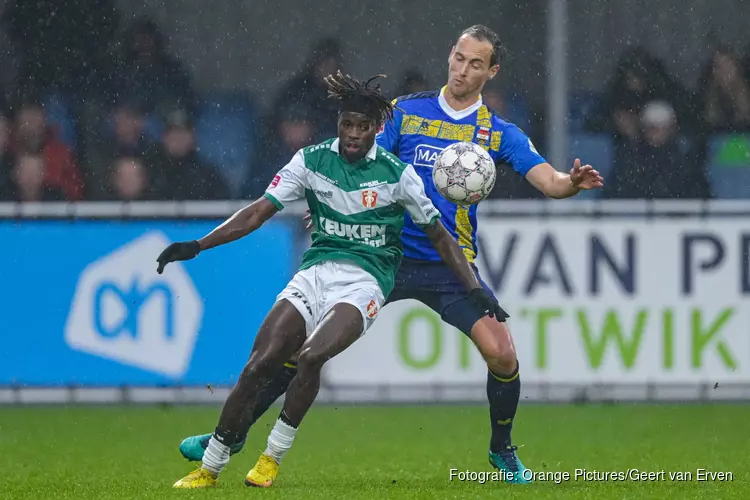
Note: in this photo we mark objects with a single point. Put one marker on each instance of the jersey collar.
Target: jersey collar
(457, 115)
(372, 154)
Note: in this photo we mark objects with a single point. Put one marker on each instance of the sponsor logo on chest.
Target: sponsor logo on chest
(372, 184)
(369, 234)
(425, 155)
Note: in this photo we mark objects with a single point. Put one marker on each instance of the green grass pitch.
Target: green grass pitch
(361, 452)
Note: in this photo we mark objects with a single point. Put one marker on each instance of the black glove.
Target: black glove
(485, 301)
(177, 251)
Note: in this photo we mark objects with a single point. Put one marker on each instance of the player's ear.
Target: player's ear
(494, 70)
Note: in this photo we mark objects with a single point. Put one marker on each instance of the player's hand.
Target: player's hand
(585, 177)
(185, 250)
(484, 300)
(308, 218)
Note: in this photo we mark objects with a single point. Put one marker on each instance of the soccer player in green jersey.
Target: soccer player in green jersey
(358, 194)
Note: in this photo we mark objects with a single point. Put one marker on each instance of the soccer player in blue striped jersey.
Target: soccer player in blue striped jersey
(423, 125)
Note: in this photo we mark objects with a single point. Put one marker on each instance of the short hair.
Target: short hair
(483, 33)
(360, 96)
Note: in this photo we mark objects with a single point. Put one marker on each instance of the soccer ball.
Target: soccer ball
(464, 173)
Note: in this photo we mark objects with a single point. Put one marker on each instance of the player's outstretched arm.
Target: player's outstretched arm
(454, 257)
(558, 185)
(239, 225)
(242, 223)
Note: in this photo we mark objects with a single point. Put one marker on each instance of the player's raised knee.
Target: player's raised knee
(501, 357)
(495, 344)
(505, 362)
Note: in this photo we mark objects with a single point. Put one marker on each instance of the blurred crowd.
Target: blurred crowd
(101, 110)
(661, 130)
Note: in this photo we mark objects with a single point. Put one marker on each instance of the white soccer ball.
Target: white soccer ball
(464, 173)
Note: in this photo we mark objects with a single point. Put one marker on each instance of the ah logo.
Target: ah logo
(425, 156)
(122, 310)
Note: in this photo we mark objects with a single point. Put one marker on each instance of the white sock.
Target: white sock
(216, 456)
(280, 440)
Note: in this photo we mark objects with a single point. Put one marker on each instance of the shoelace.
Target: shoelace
(509, 457)
(266, 466)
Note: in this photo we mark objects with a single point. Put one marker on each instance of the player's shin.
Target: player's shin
(240, 405)
(281, 438)
(235, 417)
(503, 393)
(300, 397)
(338, 330)
(272, 391)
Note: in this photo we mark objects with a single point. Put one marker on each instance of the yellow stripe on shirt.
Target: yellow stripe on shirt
(464, 230)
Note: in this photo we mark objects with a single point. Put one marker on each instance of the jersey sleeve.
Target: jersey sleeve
(289, 183)
(517, 149)
(389, 132)
(412, 196)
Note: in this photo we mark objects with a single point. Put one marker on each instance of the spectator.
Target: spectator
(27, 181)
(724, 94)
(639, 79)
(294, 130)
(179, 173)
(34, 136)
(494, 100)
(144, 69)
(309, 91)
(128, 140)
(60, 44)
(6, 157)
(412, 81)
(128, 180)
(654, 165)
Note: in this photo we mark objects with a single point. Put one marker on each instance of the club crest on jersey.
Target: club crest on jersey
(483, 136)
(372, 309)
(369, 198)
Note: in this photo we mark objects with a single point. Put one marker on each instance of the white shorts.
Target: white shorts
(314, 292)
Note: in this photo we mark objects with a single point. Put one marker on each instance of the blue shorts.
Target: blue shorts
(435, 285)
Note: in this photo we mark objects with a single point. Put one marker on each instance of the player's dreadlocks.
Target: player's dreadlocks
(360, 96)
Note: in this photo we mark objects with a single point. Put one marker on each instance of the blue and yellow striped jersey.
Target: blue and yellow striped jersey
(423, 124)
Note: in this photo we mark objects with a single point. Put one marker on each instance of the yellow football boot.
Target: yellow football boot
(263, 474)
(199, 478)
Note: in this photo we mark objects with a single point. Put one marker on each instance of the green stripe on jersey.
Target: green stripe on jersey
(355, 212)
(327, 165)
(273, 200)
(371, 239)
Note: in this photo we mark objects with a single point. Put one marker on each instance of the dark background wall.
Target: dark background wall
(256, 44)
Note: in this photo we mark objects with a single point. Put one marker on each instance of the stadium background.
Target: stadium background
(636, 293)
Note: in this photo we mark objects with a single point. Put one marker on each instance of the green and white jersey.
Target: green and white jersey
(357, 209)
